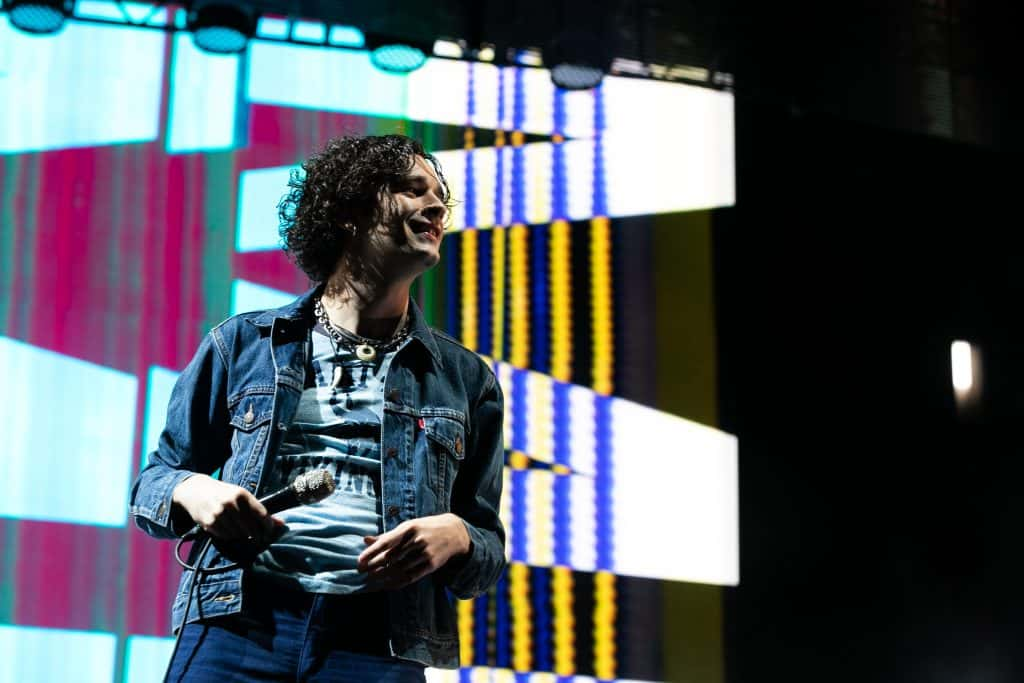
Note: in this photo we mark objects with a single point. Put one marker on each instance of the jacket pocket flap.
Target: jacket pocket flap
(447, 433)
(252, 412)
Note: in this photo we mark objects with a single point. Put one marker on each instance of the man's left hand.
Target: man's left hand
(412, 550)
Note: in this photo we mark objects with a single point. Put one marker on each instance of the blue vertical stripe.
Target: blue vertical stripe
(562, 454)
(540, 595)
(502, 624)
(500, 209)
(518, 157)
(469, 201)
(519, 421)
(520, 521)
(485, 280)
(600, 201)
(540, 343)
(481, 613)
(559, 181)
(603, 482)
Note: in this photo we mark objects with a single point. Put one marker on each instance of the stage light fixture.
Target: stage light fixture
(221, 27)
(448, 48)
(396, 55)
(39, 16)
(577, 60)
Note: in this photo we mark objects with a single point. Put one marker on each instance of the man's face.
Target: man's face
(407, 241)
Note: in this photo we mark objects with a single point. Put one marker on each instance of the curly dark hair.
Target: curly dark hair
(343, 184)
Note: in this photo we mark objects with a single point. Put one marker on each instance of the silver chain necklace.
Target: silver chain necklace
(366, 349)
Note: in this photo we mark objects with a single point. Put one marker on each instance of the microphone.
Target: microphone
(305, 489)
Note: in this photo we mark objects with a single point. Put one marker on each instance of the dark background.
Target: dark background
(876, 221)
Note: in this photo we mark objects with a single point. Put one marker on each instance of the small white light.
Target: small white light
(963, 368)
(486, 53)
(529, 57)
(447, 48)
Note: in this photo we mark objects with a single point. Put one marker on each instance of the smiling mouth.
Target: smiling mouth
(426, 228)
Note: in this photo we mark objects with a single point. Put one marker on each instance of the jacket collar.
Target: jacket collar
(302, 310)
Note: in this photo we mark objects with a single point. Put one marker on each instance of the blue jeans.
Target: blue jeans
(287, 635)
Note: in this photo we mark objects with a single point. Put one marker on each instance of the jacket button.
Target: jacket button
(160, 510)
(458, 446)
(392, 452)
(393, 511)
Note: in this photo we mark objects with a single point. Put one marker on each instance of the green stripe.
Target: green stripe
(8, 231)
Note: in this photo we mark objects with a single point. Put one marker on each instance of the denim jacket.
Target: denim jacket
(441, 451)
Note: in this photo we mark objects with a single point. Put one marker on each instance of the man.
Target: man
(348, 378)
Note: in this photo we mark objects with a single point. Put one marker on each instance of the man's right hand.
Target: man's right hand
(223, 510)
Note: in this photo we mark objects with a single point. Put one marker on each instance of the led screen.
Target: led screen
(138, 183)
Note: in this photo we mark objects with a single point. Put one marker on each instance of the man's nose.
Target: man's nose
(435, 209)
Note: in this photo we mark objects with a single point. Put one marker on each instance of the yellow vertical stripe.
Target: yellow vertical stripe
(564, 622)
(603, 349)
(601, 303)
(498, 293)
(469, 287)
(522, 618)
(561, 301)
(519, 285)
(465, 617)
(604, 625)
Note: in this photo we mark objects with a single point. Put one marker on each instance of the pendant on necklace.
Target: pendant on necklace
(365, 352)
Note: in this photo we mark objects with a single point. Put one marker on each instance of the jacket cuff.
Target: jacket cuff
(463, 574)
(156, 519)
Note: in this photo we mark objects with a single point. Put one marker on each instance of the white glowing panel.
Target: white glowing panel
(539, 509)
(539, 402)
(440, 92)
(346, 80)
(675, 488)
(330, 79)
(248, 296)
(259, 191)
(643, 174)
(44, 654)
(159, 383)
(204, 98)
(581, 430)
(538, 99)
(146, 658)
(665, 472)
(124, 12)
(87, 85)
(72, 419)
(584, 522)
(692, 169)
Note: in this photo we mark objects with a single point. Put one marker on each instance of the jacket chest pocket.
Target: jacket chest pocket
(250, 422)
(447, 439)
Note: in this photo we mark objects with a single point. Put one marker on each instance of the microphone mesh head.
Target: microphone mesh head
(312, 487)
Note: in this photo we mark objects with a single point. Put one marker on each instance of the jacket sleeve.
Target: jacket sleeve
(196, 439)
(476, 498)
